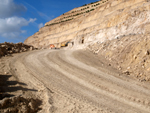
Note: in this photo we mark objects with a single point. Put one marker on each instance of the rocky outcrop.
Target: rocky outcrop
(96, 22)
(10, 48)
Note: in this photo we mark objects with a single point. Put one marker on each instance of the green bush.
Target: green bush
(87, 11)
(91, 9)
(85, 5)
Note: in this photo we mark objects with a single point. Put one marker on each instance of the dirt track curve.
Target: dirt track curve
(77, 75)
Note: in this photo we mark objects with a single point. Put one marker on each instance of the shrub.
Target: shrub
(85, 5)
(87, 11)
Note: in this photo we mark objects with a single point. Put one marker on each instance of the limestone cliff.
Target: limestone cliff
(96, 22)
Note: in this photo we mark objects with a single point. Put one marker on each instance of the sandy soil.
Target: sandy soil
(78, 82)
(15, 96)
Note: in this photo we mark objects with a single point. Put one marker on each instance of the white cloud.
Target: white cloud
(11, 35)
(40, 25)
(32, 20)
(11, 27)
(10, 23)
(9, 8)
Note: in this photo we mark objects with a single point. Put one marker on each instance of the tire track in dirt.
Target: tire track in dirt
(21, 71)
(123, 95)
(63, 73)
(56, 81)
(91, 87)
(99, 82)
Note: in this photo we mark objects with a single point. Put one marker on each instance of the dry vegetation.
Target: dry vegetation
(10, 48)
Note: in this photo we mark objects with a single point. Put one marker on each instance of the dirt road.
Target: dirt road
(79, 82)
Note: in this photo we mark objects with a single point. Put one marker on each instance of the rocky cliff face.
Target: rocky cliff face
(96, 22)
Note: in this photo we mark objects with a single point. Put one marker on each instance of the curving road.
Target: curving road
(80, 75)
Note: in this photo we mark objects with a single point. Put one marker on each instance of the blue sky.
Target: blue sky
(20, 19)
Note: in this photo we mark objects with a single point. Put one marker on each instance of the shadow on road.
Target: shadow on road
(7, 86)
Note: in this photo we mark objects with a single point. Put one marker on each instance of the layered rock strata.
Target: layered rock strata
(106, 21)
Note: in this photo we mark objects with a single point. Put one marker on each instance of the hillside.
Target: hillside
(95, 22)
(68, 26)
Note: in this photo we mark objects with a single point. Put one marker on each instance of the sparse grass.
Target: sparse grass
(94, 4)
(84, 5)
(59, 22)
